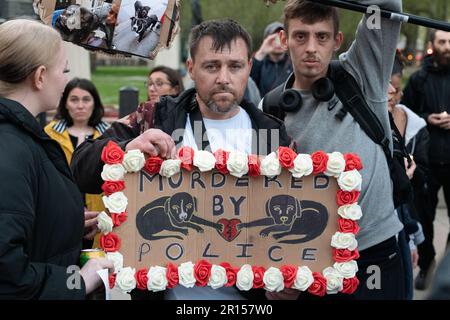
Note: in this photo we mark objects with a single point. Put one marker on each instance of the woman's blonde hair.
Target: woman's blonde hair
(24, 46)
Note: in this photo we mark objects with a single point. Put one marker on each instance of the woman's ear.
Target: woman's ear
(38, 77)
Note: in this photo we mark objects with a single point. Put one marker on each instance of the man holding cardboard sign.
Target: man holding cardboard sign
(210, 117)
(311, 35)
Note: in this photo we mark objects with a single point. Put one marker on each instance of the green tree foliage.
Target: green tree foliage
(254, 16)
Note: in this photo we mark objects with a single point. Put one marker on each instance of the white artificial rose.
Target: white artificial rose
(271, 166)
(273, 280)
(244, 278)
(170, 168)
(218, 277)
(157, 279)
(347, 269)
(117, 259)
(237, 164)
(125, 279)
(350, 211)
(104, 223)
(344, 241)
(335, 281)
(113, 172)
(116, 203)
(204, 160)
(133, 161)
(335, 164)
(304, 279)
(303, 166)
(350, 181)
(186, 274)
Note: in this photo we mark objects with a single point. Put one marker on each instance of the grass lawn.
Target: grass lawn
(109, 80)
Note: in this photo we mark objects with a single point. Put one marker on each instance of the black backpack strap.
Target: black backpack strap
(271, 102)
(352, 98)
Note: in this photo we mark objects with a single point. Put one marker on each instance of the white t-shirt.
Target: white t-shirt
(234, 134)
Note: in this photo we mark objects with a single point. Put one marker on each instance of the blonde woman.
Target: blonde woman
(41, 210)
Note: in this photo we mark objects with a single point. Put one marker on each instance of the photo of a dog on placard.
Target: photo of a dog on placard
(87, 22)
(130, 27)
(139, 26)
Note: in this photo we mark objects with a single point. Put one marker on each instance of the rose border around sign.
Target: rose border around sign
(339, 278)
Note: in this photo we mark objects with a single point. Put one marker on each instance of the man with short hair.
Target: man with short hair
(428, 94)
(312, 37)
(220, 65)
(271, 64)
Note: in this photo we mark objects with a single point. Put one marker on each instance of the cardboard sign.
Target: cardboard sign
(130, 27)
(259, 221)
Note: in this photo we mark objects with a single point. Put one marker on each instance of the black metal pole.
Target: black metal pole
(197, 17)
(398, 16)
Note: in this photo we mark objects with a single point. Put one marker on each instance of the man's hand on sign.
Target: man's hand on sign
(155, 143)
(286, 294)
(90, 224)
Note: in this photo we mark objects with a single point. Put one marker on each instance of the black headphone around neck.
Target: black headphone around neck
(291, 99)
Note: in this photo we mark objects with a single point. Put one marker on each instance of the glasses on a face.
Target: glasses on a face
(158, 83)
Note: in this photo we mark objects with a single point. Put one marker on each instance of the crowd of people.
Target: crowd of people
(51, 177)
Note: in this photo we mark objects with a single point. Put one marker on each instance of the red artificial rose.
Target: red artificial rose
(231, 274)
(110, 187)
(319, 286)
(221, 161)
(350, 285)
(346, 197)
(345, 255)
(253, 166)
(286, 156)
(141, 279)
(289, 274)
(258, 277)
(186, 155)
(202, 272)
(112, 153)
(172, 276)
(348, 226)
(118, 219)
(153, 165)
(110, 242)
(352, 162)
(319, 160)
(112, 280)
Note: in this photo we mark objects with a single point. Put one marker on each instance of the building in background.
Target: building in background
(77, 56)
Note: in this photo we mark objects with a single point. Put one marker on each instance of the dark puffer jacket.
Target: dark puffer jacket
(41, 211)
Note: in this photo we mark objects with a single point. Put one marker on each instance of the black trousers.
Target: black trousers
(440, 177)
(381, 273)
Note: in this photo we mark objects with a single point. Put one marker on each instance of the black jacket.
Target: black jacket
(427, 92)
(171, 114)
(419, 148)
(268, 74)
(41, 211)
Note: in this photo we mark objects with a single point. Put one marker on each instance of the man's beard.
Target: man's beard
(442, 58)
(216, 109)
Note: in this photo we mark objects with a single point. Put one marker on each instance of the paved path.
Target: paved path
(441, 228)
